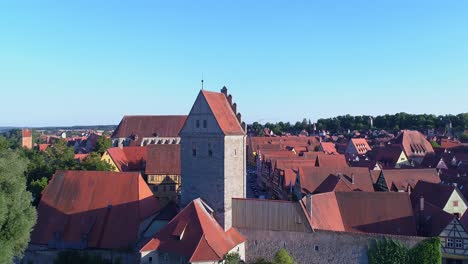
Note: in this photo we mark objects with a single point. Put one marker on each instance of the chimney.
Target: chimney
(239, 117)
(229, 98)
(224, 90)
(352, 178)
(421, 203)
(244, 126)
(309, 205)
(234, 108)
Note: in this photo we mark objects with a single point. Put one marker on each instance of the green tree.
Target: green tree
(435, 144)
(61, 157)
(283, 257)
(102, 144)
(387, 251)
(17, 215)
(232, 258)
(36, 187)
(426, 252)
(261, 261)
(94, 162)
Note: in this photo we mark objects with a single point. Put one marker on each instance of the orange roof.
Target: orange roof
(223, 113)
(81, 157)
(194, 233)
(26, 132)
(106, 207)
(131, 158)
(328, 147)
(163, 159)
(325, 160)
(400, 179)
(43, 147)
(361, 145)
(364, 212)
(414, 143)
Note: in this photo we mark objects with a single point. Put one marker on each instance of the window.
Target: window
(458, 243)
(150, 259)
(455, 203)
(197, 124)
(449, 243)
(155, 188)
(205, 123)
(172, 187)
(194, 150)
(164, 188)
(316, 248)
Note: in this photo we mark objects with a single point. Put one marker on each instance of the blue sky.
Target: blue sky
(91, 62)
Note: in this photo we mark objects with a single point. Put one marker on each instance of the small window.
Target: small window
(205, 123)
(458, 243)
(197, 124)
(316, 248)
(150, 259)
(455, 203)
(449, 243)
(194, 150)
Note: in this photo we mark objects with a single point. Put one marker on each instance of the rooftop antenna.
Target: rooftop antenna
(202, 81)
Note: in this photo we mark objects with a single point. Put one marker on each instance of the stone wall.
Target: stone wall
(45, 256)
(320, 247)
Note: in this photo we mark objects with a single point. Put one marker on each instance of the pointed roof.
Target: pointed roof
(223, 113)
(194, 233)
(402, 178)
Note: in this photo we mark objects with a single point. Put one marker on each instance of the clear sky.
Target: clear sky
(91, 62)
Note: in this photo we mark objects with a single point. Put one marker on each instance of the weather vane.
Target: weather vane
(202, 81)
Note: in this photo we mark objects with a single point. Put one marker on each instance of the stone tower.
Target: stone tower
(213, 157)
(26, 138)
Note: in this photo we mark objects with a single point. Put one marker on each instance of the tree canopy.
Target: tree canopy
(17, 215)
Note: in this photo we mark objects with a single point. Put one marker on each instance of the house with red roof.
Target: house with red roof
(193, 236)
(26, 140)
(126, 159)
(163, 170)
(357, 147)
(404, 180)
(415, 145)
(328, 148)
(93, 210)
(143, 130)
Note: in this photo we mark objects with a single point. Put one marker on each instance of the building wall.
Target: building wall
(161, 186)
(39, 255)
(27, 142)
(107, 158)
(319, 247)
(402, 160)
(234, 174)
(451, 208)
(454, 231)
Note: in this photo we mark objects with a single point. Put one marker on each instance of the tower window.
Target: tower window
(197, 123)
(210, 150)
(205, 123)
(194, 150)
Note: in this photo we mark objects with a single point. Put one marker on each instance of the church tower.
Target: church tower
(213, 157)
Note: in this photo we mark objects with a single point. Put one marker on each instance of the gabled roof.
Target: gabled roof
(148, 126)
(433, 220)
(194, 233)
(328, 147)
(131, 158)
(433, 193)
(364, 212)
(223, 113)
(360, 144)
(105, 207)
(386, 156)
(414, 143)
(26, 132)
(402, 178)
(335, 161)
(163, 160)
(314, 179)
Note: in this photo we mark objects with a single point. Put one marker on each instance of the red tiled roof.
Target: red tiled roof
(312, 178)
(163, 159)
(364, 212)
(203, 239)
(26, 132)
(414, 143)
(449, 143)
(361, 145)
(148, 126)
(328, 147)
(402, 178)
(223, 113)
(336, 161)
(131, 158)
(435, 219)
(434, 193)
(43, 147)
(386, 156)
(81, 157)
(107, 207)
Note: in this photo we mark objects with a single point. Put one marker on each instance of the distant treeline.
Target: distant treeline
(388, 122)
